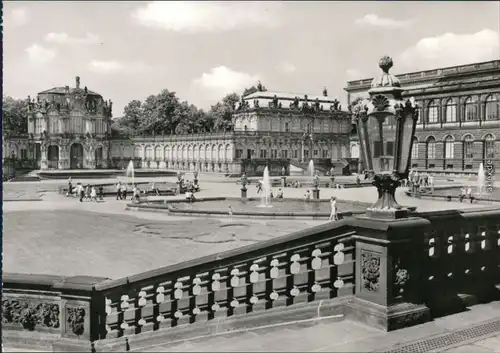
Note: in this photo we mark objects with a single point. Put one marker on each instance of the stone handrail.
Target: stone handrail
(316, 263)
(393, 273)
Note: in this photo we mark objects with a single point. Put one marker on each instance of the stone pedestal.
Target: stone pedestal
(315, 194)
(283, 181)
(244, 193)
(179, 187)
(389, 257)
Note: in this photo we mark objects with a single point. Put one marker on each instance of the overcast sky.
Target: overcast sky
(203, 50)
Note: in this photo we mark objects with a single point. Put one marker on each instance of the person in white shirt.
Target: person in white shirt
(124, 191)
(155, 189)
(135, 194)
(93, 194)
(431, 182)
(333, 208)
(463, 192)
(469, 194)
(80, 192)
(307, 196)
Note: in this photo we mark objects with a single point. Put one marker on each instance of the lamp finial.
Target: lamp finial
(385, 63)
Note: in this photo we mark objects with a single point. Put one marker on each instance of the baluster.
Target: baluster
(234, 282)
(272, 273)
(124, 305)
(215, 286)
(160, 298)
(109, 311)
(195, 291)
(253, 278)
(292, 269)
(315, 266)
(140, 301)
(178, 293)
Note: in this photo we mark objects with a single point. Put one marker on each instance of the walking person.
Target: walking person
(230, 212)
(87, 192)
(333, 209)
(124, 191)
(93, 194)
(119, 191)
(70, 187)
(431, 183)
(307, 196)
(80, 191)
(259, 187)
(136, 195)
(463, 192)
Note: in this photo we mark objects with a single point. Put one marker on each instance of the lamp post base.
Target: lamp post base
(243, 193)
(316, 194)
(386, 207)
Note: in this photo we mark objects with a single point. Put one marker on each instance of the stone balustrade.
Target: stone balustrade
(386, 274)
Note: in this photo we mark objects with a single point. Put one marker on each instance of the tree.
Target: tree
(133, 115)
(160, 113)
(14, 116)
(222, 113)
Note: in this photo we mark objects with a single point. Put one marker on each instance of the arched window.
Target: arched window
(414, 149)
(433, 112)
(468, 144)
(149, 152)
(489, 147)
(451, 111)
(431, 148)
(137, 152)
(492, 108)
(470, 107)
(157, 153)
(449, 147)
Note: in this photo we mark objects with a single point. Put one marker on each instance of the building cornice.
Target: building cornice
(430, 76)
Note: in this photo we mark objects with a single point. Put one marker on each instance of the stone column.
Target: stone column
(44, 160)
(389, 257)
(302, 150)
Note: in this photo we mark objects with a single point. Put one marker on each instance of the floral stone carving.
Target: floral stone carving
(401, 278)
(76, 320)
(30, 315)
(370, 271)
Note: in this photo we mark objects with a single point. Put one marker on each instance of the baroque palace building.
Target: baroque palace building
(69, 128)
(459, 118)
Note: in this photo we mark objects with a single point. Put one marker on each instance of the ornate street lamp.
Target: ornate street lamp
(386, 126)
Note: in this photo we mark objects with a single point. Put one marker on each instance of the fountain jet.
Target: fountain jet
(480, 180)
(130, 172)
(310, 168)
